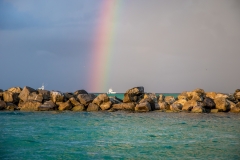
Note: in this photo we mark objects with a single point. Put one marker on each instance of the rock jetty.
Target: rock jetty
(135, 100)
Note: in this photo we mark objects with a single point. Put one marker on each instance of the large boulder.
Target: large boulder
(47, 106)
(45, 94)
(3, 105)
(11, 107)
(35, 97)
(164, 106)
(92, 107)
(65, 106)
(221, 95)
(188, 106)
(82, 91)
(197, 96)
(25, 93)
(86, 99)
(143, 107)
(30, 106)
(176, 106)
(208, 103)
(106, 105)
(161, 98)
(10, 97)
(1, 94)
(115, 100)
(78, 108)
(101, 98)
(15, 90)
(236, 108)
(169, 100)
(150, 101)
(237, 94)
(183, 95)
(68, 95)
(124, 106)
(74, 101)
(56, 96)
(133, 95)
(222, 104)
(211, 95)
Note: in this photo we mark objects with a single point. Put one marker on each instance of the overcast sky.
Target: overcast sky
(163, 45)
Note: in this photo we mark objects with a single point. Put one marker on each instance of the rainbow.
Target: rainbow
(103, 46)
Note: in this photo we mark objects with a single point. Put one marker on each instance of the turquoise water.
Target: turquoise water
(121, 95)
(119, 135)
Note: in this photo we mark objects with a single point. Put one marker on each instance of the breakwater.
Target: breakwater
(135, 100)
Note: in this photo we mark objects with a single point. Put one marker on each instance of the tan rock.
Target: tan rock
(197, 109)
(124, 106)
(56, 96)
(15, 90)
(222, 104)
(101, 98)
(106, 105)
(93, 107)
(35, 97)
(74, 101)
(176, 106)
(189, 105)
(161, 98)
(25, 93)
(164, 106)
(136, 90)
(79, 107)
(197, 96)
(65, 106)
(237, 94)
(183, 95)
(211, 95)
(10, 97)
(169, 100)
(143, 107)
(221, 95)
(214, 110)
(30, 106)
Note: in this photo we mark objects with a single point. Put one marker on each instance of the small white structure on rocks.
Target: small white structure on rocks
(110, 91)
(41, 88)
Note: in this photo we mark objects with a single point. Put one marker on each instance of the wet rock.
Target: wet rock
(68, 95)
(115, 100)
(1, 94)
(10, 97)
(78, 108)
(47, 106)
(85, 99)
(101, 98)
(65, 106)
(133, 95)
(11, 107)
(209, 103)
(25, 93)
(170, 100)
(30, 106)
(3, 105)
(143, 107)
(222, 104)
(82, 91)
(93, 107)
(56, 96)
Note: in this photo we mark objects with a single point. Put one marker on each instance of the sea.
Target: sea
(119, 135)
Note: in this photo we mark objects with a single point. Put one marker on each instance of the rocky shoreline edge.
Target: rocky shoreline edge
(135, 100)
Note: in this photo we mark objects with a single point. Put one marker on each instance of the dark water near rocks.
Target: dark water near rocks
(119, 135)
